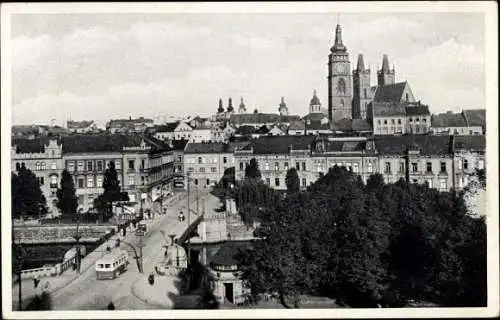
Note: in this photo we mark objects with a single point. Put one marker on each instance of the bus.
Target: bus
(111, 265)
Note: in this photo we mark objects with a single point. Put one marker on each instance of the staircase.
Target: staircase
(237, 229)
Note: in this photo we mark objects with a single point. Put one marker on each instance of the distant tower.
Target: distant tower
(283, 109)
(242, 108)
(362, 93)
(339, 80)
(230, 108)
(385, 75)
(315, 104)
(221, 108)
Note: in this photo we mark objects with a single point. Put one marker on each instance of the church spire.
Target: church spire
(221, 108)
(338, 46)
(242, 108)
(230, 105)
(361, 63)
(385, 63)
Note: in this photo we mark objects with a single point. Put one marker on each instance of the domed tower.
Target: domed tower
(242, 108)
(315, 104)
(339, 80)
(362, 92)
(283, 109)
(221, 108)
(230, 108)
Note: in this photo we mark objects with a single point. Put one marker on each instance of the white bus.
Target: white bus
(111, 265)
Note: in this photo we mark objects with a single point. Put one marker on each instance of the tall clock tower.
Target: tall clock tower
(339, 80)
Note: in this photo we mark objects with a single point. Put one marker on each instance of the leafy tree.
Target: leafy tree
(112, 191)
(292, 181)
(27, 197)
(252, 171)
(67, 201)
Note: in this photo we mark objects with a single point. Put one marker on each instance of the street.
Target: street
(87, 293)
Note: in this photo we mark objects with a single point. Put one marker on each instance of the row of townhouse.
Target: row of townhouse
(145, 166)
(443, 162)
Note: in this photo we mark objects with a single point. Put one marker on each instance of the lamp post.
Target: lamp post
(77, 238)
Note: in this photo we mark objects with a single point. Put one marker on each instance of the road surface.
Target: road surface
(87, 293)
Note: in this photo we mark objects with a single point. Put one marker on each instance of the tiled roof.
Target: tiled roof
(212, 147)
(418, 110)
(427, 144)
(126, 122)
(344, 146)
(257, 118)
(448, 119)
(297, 125)
(388, 109)
(475, 117)
(315, 116)
(390, 92)
(79, 124)
(179, 145)
(37, 145)
(351, 125)
(169, 127)
(279, 144)
(109, 143)
(475, 142)
(316, 125)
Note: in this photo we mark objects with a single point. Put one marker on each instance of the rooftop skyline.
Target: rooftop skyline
(108, 66)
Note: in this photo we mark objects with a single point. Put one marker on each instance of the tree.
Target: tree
(112, 191)
(27, 197)
(292, 181)
(67, 201)
(252, 171)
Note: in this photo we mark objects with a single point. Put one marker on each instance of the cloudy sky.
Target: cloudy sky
(102, 66)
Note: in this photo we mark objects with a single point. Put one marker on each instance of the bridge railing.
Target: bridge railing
(67, 264)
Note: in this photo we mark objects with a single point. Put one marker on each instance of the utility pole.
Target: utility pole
(189, 220)
(77, 238)
(140, 253)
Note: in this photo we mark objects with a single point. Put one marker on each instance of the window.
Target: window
(89, 165)
(341, 86)
(385, 121)
(393, 122)
(195, 182)
(417, 120)
(410, 120)
(224, 160)
(18, 166)
(37, 166)
(200, 160)
(71, 166)
(442, 185)
(304, 182)
(429, 166)
(90, 182)
(387, 167)
(131, 164)
(202, 169)
(43, 167)
(407, 97)
(443, 167)
(143, 164)
(429, 183)
(99, 181)
(401, 167)
(399, 121)
(348, 166)
(480, 164)
(365, 93)
(276, 166)
(414, 167)
(417, 129)
(378, 121)
(131, 180)
(41, 180)
(286, 165)
(466, 164)
(297, 166)
(470, 132)
(277, 182)
(80, 182)
(355, 168)
(370, 167)
(266, 165)
(99, 165)
(241, 165)
(213, 169)
(118, 164)
(268, 181)
(424, 120)
(415, 181)
(190, 169)
(208, 182)
(53, 181)
(303, 166)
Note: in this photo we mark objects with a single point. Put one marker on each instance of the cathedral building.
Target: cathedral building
(351, 95)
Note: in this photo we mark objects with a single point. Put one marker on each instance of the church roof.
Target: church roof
(417, 110)
(390, 92)
(448, 119)
(315, 116)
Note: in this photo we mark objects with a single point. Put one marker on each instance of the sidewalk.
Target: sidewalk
(58, 282)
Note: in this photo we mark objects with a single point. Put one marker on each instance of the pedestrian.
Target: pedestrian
(111, 306)
(156, 269)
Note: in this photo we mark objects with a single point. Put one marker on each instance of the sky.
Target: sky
(108, 66)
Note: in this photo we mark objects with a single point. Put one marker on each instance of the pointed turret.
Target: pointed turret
(385, 63)
(338, 46)
(221, 108)
(385, 75)
(315, 104)
(230, 105)
(361, 63)
(283, 110)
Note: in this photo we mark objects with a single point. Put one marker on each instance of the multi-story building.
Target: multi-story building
(81, 126)
(144, 166)
(418, 118)
(128, 126)
(165, 132)
(436, 160)
(43, 156)
(468, 122)
(206, 162)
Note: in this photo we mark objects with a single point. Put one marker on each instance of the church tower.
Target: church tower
(242, 108)
(283, 109)
(339, 80)
(386, 75)
(315, 104)
(362, 92)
